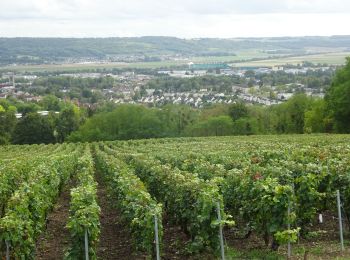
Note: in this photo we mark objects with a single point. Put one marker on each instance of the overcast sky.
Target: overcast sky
(181, 18)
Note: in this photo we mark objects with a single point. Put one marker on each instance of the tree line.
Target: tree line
(24, 50)
(34, 128)
(298, 115)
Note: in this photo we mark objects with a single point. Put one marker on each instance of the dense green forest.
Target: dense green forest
(133, 122)
(44, 50)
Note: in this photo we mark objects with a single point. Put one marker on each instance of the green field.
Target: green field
(244, 55)
(331, 58)
(334, 58)
(55, 50)
(337, 58)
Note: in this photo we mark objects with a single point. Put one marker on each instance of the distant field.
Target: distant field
(92, 66)
(245, 50)
(335, 58)
(244, 55)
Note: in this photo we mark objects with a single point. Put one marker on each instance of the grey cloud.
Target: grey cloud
(267, 6)
(144, 9)
(184, 18)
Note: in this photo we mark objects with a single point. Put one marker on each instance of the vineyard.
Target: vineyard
(262, 197)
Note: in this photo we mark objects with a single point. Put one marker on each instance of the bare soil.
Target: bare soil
(174, 241)
(116, 241)
(53, 242)
(115, 238)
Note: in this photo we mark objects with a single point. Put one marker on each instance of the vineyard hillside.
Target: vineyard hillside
(243, 197)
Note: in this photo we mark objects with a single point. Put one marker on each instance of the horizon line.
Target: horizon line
(177, 37)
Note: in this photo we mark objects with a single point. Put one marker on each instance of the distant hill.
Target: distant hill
(49, 50)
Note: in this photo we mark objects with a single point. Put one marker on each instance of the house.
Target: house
(150, 91)
(277, 68)
(284, 96)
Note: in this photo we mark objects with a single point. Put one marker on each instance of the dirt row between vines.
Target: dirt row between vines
(53, 242)
(115, 238)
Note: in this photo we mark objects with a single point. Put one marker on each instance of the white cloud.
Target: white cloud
(190, 18)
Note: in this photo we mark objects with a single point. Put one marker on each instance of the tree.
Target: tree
(238, 111)
(26, 108)
(7, 124)
(295, 112)
(213, 126)
(136, 95)
(67, 122)
(4, 103)
(220, 125)
(214, 110)
(245, 126)
(315, 118)
(265, 118)
(289, 117)
(12, 109)
(123, 123)
(177, 117)
(249, 74)
(51, 103)
(338, 99)
(33, 129)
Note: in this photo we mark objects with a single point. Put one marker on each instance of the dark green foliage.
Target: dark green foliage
(176, 118)
(68, 121)
(51, 103)
(33, 129)
(137, 122)
(213, 126)
(316, 119)
(338, 99)
(312, 79)
(125, 122)
(7, 124)
(238, 111)
(26, 108)
(291, 114)
(245, 126)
